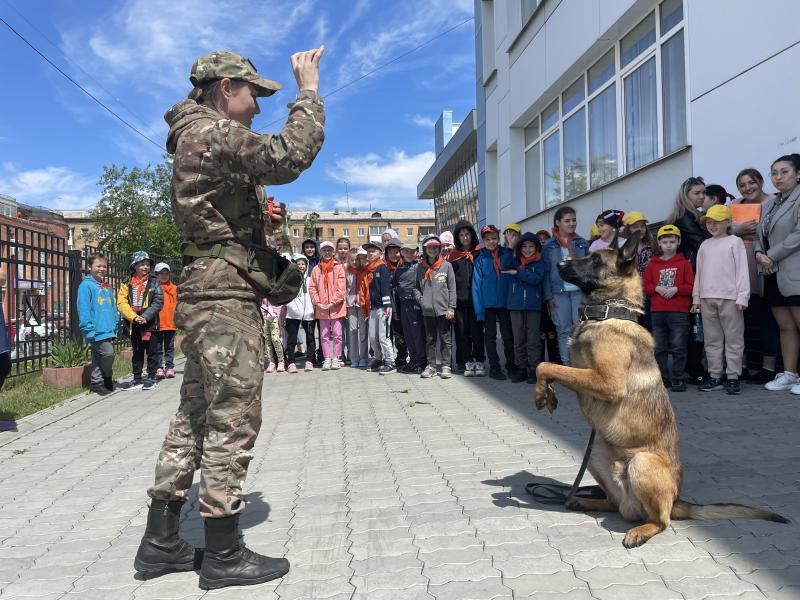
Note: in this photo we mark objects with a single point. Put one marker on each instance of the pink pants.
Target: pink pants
(326, 327)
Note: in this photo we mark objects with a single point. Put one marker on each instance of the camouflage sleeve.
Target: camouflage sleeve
(275, 159)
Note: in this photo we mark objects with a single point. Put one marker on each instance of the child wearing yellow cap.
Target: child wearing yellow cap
(721, 293)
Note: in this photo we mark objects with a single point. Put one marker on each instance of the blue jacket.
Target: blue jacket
(525, 288)
(97, 310)
(489, 290)
(551, 256)
(380, 289)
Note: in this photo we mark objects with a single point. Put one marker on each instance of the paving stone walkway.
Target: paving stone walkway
(399, 488)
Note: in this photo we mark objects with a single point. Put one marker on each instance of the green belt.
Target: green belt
(230, 251)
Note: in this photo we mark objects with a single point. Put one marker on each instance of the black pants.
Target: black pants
(495, 316)
(469, 335)
(140, 346)
(397, 334)
(549, 339)
(437, 329)
(166, 341)
(5, 367)
(413, 332)
(292, 327)
(670, 330)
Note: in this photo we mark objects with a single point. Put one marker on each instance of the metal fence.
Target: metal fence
(39, 298)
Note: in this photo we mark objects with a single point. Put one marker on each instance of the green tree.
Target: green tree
(134, 211)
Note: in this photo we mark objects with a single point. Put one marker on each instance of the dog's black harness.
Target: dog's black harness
(611, 309)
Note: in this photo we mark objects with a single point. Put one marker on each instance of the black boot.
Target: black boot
(228, 561)
(532, 375)
(109, 383)
(162, 550)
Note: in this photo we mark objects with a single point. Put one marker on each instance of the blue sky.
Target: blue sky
(135, 56)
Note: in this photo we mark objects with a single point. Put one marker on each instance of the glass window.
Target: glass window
(575, 155)
(376, 229)
(641, 120)
(360, 232)
(533, 181)
(671, 14)
(427, 230)
(409, 231)
(601, 71)
(603, 136)
(528, 8)
(550, 115)
(552, 169)
(330, 232)
(673, 90)
(639, 39)
(296, 233)
(572, 96)
(532, 131)
(345, 232)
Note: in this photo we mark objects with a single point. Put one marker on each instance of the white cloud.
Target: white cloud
(421, 121)
(409, 25)
(53, 187)
(151, 44)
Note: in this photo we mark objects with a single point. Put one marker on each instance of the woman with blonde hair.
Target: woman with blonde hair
(690, 203)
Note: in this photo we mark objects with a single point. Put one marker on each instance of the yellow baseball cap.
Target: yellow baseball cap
(718, 212)
(513, 227)
(634, 217)
(668, 230)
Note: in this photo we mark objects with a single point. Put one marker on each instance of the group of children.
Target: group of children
(147, 301)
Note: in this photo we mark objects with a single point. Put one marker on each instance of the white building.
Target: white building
(614, 103)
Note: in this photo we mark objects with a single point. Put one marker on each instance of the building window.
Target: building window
(331, 232)
(84, 232)
(345, 232)
(426, 230)
(296, 233)
(409, 232)
(360, 232)
(376, 230)
(627, 110)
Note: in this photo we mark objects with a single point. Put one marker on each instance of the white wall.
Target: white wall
(743, 100)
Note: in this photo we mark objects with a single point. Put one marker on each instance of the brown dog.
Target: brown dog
(614, 373)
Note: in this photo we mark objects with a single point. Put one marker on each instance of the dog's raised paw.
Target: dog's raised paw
(540, 394)
(551, 402)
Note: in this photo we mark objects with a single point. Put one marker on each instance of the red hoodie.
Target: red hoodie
(672, 272)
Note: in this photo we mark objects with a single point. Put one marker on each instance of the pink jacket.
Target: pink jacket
(333, 294)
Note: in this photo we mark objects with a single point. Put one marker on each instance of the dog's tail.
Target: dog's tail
(686, 510)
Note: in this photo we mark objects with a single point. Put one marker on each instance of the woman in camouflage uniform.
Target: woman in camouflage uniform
(219, 206)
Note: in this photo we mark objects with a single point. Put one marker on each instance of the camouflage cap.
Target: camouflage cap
(224, 63)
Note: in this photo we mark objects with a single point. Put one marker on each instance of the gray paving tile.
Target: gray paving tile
(487, 589)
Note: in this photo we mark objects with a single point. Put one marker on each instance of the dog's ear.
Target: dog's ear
(626, 256)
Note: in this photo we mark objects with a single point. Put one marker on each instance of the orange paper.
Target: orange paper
(746, 212)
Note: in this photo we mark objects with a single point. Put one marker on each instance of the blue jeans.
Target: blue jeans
(564, 317)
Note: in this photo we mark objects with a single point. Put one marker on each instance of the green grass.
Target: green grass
(26, 394)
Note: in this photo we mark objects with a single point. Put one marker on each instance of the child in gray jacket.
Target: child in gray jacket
(436, 294)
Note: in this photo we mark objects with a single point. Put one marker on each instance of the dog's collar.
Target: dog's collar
(611, 309)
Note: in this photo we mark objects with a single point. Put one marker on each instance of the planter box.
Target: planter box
(126, 355)
(66, 378)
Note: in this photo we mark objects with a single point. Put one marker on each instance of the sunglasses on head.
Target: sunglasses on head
(694, 181)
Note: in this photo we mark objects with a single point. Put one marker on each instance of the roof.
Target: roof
(463, 143)
(77, 215)
(379, 215)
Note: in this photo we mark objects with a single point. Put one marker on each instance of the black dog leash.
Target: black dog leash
(554, 493)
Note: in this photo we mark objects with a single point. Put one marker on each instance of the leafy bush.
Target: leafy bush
(69, 354)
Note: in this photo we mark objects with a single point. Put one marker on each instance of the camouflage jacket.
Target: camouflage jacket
(219, 169)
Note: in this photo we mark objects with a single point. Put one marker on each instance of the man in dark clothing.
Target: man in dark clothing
(470, 352)
(393, 259)
(404, 282)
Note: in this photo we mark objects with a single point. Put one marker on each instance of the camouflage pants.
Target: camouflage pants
(219, 416)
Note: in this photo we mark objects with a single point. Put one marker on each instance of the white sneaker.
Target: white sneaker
(469, 369)
(480, 369)
(782, 382)
(796, 389)
(335, 364)
(326, 364)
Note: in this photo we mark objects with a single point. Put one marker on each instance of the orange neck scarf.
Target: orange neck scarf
(496, 260)
(524, 261)
(565, 244)
(430, 268)
(327, 267)
(456, 254)
(393, 266)
(363, 285)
